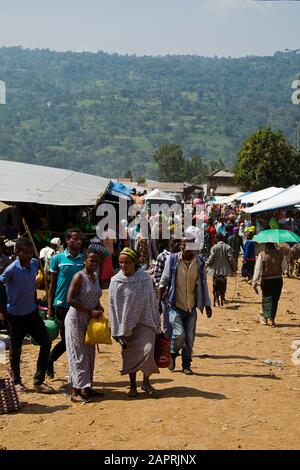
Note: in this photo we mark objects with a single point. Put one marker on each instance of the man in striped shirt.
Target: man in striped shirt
(174, 247)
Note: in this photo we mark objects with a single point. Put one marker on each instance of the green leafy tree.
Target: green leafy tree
(171, 163)
(216, 165)
(266, 159)
(128, 174)
(141, 180)
(195, 170)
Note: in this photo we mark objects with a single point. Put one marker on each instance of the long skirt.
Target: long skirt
(81, 357)
(139, 354)
(271, 291)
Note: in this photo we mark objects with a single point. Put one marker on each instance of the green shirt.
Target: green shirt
(65, 266)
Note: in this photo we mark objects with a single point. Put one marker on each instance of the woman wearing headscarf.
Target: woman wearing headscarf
(134, 320)
(249, 257)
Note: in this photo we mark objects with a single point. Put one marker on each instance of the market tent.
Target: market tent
(235, 197)
(22, 182)
(261, 195)
(158, 195)
(287, 198)
(218, 199)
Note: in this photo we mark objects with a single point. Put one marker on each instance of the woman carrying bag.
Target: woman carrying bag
(83, 296)
(134, 320)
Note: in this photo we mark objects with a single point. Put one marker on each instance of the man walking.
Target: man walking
(22, 314)
(63, 266)
(221, 261)
(184, 275)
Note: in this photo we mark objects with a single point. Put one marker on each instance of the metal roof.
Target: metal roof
(286, 198)
(22, 182)
(261, 195)
(222, 174)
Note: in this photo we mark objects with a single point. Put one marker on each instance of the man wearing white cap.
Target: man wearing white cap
(47, 252)
(185, 278)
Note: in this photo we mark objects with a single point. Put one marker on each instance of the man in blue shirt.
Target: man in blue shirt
(63, 266)
(22, 314)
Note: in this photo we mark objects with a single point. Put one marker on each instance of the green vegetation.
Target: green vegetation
(106, 114)
(266, 158)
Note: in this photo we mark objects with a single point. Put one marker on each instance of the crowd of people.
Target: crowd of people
(157, 285)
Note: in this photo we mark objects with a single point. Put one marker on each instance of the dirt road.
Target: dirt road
(233, 400)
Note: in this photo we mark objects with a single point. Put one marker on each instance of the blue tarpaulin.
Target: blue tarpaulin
(119, 190)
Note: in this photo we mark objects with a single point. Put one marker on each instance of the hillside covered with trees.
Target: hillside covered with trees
(106, 114)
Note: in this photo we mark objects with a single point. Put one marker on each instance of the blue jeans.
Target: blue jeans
(183, 336)
(166, 325)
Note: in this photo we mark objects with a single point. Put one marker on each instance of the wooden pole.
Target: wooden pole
(36, 254)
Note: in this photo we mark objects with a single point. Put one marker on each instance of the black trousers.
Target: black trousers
(60, 347)
(271, 292)
(19, 327)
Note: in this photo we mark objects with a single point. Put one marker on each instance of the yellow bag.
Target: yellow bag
(98, 331)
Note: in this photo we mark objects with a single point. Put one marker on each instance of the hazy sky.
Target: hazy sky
(152, 27)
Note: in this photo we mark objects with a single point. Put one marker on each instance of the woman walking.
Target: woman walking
(268, 271)
(83, 296)
(249, 257)
(134, 320)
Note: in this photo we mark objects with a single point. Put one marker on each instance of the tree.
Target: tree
(171, 163)
(266, 159)
(128, 174)
(216, 165)
(195, 170)
(141, 180)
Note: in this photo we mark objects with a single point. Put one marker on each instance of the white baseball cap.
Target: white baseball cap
(55, 241)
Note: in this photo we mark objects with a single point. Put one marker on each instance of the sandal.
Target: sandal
(43, 388)
(151, 392)
(79, 399)
(21, 388)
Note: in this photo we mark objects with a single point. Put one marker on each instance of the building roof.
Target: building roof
(22, 182)
(222, 174)
(169, 187)
(222, 190)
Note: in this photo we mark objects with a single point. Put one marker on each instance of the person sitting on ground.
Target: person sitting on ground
(23, 317)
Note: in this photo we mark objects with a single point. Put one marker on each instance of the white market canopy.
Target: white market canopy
(22, 182)
(261, 195)
(158, 195)
(287, 198)
(234, 197)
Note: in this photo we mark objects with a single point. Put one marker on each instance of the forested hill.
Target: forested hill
(106, 113)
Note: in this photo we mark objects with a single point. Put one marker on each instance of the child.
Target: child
(22, 314)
